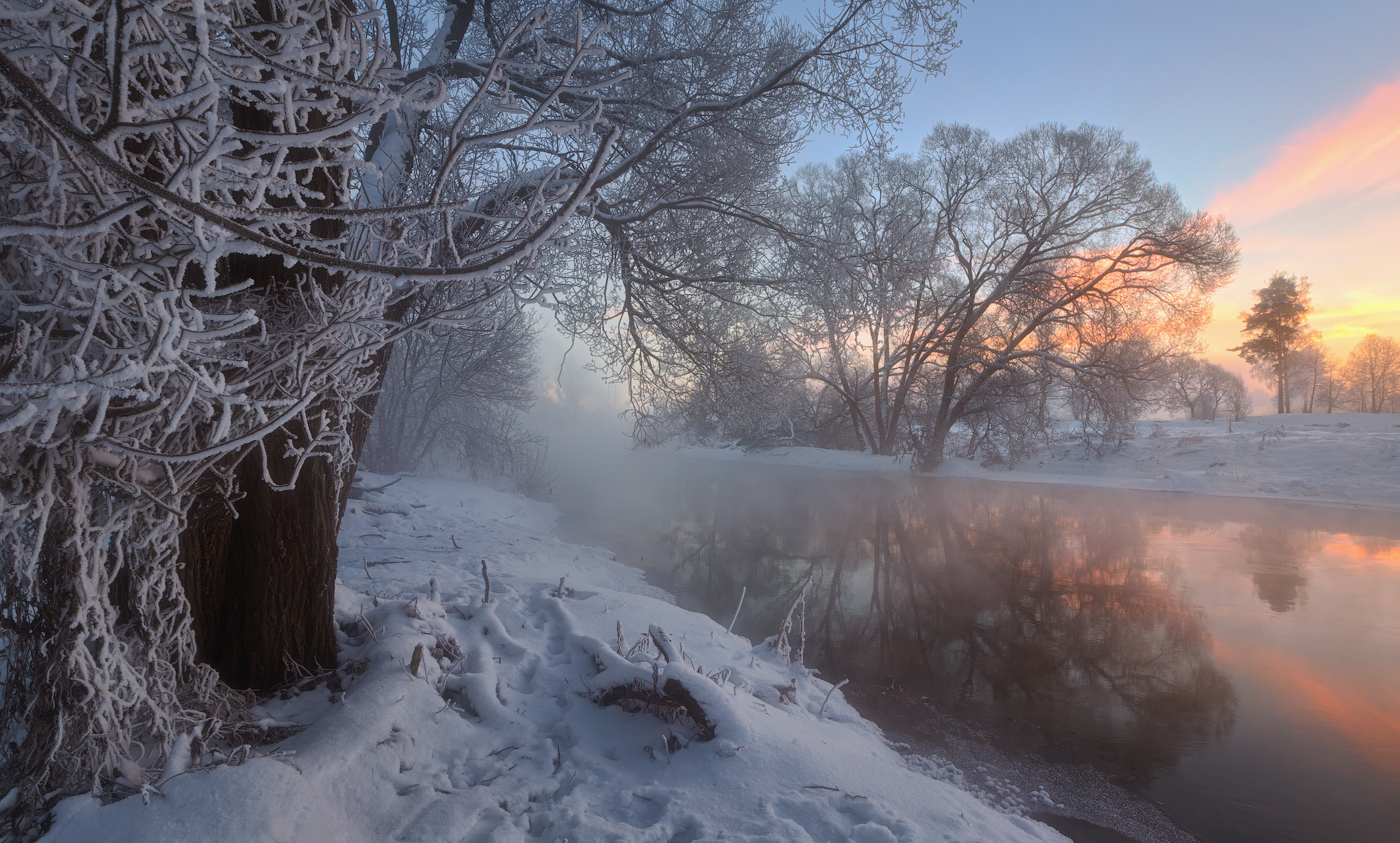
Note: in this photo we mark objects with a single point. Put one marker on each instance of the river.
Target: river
(1234, 662)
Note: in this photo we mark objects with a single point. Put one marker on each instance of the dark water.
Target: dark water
(1236, 662)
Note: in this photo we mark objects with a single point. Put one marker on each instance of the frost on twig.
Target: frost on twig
(742, 592)
(781, 643)
(664, 645)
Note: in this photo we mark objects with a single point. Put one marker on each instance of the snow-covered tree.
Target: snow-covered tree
(214, 215)
(926, 293)
(699, 224)
(866, 275)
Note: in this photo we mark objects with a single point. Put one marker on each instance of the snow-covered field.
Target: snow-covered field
(1338, 458)
(498, 737)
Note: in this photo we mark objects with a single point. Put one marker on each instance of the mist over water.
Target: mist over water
(1230, 659)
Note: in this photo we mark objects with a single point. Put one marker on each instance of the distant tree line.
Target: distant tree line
(1366, 381)
(1307, 378)
(967, 301)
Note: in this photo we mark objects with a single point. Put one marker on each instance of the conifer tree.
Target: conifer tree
(1275, 325)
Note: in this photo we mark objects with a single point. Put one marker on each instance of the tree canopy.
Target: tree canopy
(971, 281)
(1274, 326)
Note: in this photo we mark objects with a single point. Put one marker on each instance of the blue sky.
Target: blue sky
(1208, 89)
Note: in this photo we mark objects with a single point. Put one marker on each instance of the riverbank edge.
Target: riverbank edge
(1373, 490)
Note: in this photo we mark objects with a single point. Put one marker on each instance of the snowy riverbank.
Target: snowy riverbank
(498, 736)
(1351, 458)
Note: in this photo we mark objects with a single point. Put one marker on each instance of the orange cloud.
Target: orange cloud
(1327, 207)
(1351, 154)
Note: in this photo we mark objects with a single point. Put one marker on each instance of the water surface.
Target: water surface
(1235, 661)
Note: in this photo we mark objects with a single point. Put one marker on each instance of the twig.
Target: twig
(828, 695)
(487, 579)
(742, 592)
(663, 643)
(369, 627)
(454, 542)
(781, 645)
(379, 488)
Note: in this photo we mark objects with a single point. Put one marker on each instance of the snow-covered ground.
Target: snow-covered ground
(498, 737)
(1338, 458)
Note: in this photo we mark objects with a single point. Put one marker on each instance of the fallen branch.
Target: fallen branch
(672, 698)
(366, 489)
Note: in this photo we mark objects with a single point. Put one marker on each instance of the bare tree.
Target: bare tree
(1372, 374)
(1180, 385)
(1308, 368)
(867, 269)
(453, 389)
(1237, 399)
(1066, 250)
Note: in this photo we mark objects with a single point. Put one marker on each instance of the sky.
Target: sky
(1281, 115)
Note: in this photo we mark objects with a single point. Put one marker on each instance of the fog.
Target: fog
(583, 416)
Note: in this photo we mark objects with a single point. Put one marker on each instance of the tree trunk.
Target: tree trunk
(260, 573)
(930, 448)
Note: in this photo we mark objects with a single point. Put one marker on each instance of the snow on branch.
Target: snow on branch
(182, 274)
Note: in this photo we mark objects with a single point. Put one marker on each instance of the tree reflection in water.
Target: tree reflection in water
(1275, 559)
(999, 598)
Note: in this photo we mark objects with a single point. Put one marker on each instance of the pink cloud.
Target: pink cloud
(1353, 153)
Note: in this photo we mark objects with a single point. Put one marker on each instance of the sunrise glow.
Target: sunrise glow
(1325, 206)
(1354, 154)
